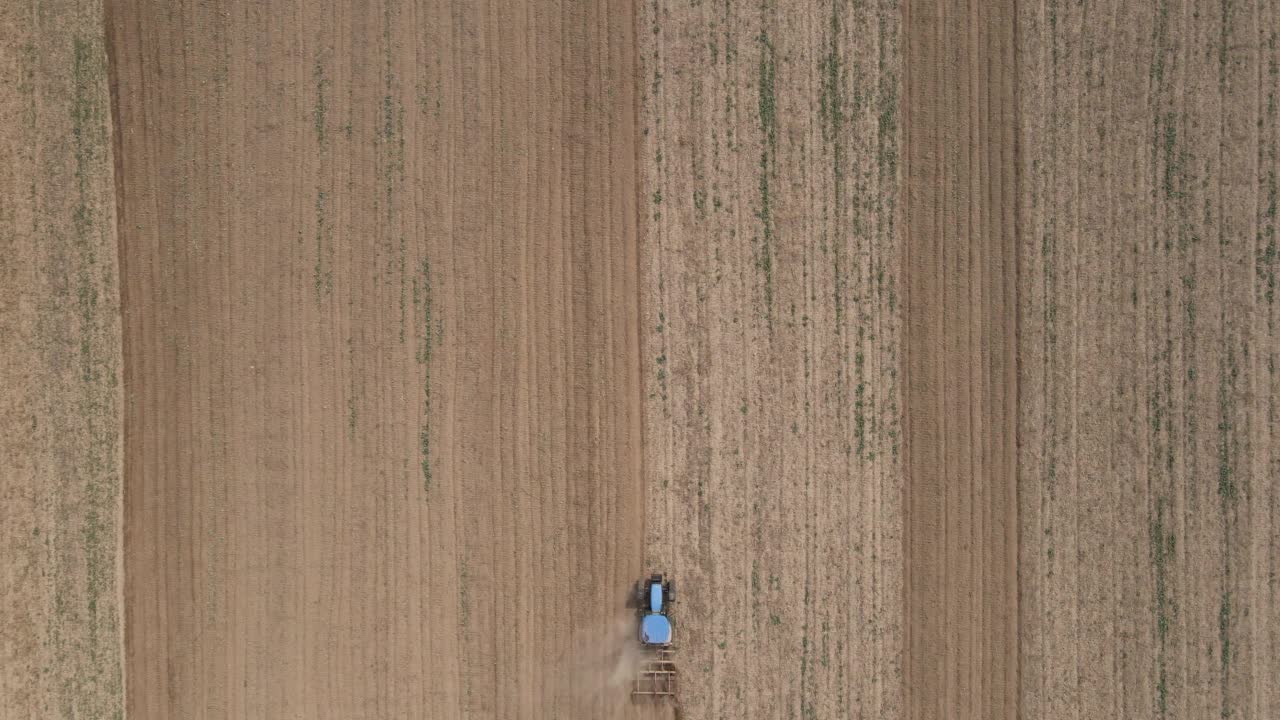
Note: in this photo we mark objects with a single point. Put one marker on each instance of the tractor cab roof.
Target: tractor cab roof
(655, 629)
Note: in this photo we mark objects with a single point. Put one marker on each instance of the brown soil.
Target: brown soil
(60, 450)
(960, 370)
(772, 339)
(382, 437)
(439, 330)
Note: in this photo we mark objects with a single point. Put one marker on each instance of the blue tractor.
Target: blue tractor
(654, 596)
(657, 673)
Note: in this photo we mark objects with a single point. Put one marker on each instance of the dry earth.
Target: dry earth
(960, 369)
(382, 430)
(60, 452)
(990, 435)
(771, 351)
(1150, 465)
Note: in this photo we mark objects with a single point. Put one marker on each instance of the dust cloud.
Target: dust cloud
(600, 671)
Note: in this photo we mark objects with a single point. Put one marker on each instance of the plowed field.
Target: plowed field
(357, 357)
(382, 432)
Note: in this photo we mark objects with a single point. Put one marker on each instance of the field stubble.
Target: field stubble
(770, 306)
(60, 392)
(1149, 460)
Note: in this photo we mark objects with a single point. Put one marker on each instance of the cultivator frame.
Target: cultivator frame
(656, 677)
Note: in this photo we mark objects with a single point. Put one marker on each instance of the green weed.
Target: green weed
(1163, 548)
(321, 109)
(323, 272)
(768, 113)
(423, 295)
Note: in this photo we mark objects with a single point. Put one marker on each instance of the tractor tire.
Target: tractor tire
(639, 594)
(671, 591)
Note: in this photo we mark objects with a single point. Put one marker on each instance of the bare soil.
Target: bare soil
(382, 436)
(60, 448)
(960, 369)
(356, 358)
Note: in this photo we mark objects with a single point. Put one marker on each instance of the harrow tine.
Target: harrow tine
(656, 677)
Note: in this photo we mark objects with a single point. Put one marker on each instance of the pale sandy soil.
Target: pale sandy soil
(60, 446)
(1150, 465)
(772, 336)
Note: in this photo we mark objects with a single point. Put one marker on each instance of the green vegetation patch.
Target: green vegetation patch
(768, 112)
